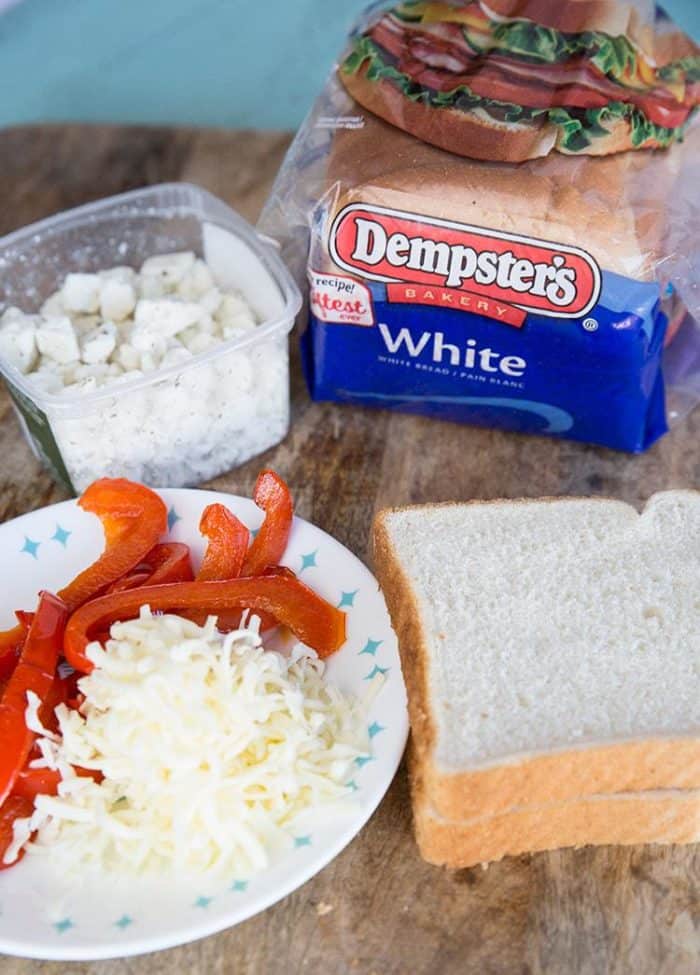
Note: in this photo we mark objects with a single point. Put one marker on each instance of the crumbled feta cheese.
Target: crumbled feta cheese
(152, 287)
(210, 301)
(56, 339)
(200, 342)
(96, 370)
(53, 305)
(81, 293)
(85, 323)
(150, 361)
(65, 371)
(98, 345)
(168, 268)
(88, 384)
(12, 314)
(122, 273)
(156, 320)
(18, 339)
(47, 380)
(128, 357)
(187, 427)
(197, 281)
(234, 312)
(175, 355)
(117, 299)
(237, 368)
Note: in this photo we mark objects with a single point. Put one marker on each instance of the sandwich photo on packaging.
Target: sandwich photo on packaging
(495, 205)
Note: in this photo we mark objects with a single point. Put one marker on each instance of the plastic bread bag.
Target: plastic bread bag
(496, 207)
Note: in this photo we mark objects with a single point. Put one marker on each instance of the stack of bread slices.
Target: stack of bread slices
(551, 653)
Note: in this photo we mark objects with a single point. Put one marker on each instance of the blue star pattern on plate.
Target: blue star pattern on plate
(352, 785)
(347, 598)
(371, 647)
(374, 729)
(239, 886)
(362, 760)
(173, 518)
(302, 841)
(64, 925)
(203, 902)
(30, 547)
(376, 670)
(124, 922)
(61, 535)
(308, 560)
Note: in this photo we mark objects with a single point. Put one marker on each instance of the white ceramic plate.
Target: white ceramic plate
(40, 915)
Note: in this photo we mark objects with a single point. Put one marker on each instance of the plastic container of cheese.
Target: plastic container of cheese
(182, 424)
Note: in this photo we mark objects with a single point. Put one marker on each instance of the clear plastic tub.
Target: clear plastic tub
(179, 425)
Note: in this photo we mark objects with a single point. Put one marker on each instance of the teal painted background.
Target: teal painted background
(200, 62)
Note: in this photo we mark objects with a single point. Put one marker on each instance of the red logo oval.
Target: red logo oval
(536, 275)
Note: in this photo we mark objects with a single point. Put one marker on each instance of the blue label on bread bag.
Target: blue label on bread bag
(494, 330)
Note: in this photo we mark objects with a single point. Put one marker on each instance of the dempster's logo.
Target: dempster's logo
(535, 275)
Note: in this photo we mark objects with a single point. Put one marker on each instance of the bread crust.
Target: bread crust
(523, 780)
(654, 817)
(632, 766)
(454, 130)
(405, 618)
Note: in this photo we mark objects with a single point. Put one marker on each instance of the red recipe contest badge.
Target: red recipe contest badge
(534, 275)
(340, 300)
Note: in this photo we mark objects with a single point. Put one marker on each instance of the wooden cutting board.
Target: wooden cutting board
(585, 912)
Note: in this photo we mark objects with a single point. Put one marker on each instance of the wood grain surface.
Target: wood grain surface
(586, 912)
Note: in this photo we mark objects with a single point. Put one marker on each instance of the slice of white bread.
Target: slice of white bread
(661, 816)
(551, 648)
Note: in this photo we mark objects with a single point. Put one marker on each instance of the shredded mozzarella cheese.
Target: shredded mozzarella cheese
(210, 747)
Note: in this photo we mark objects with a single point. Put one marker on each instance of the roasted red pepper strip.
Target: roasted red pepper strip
(166, 562)
(272, 495)
(313, 620)
(11, 642)
(64, 690)
(14, 807)
(34, 672)
(133, 518)
(33, 782)
(228, 540)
